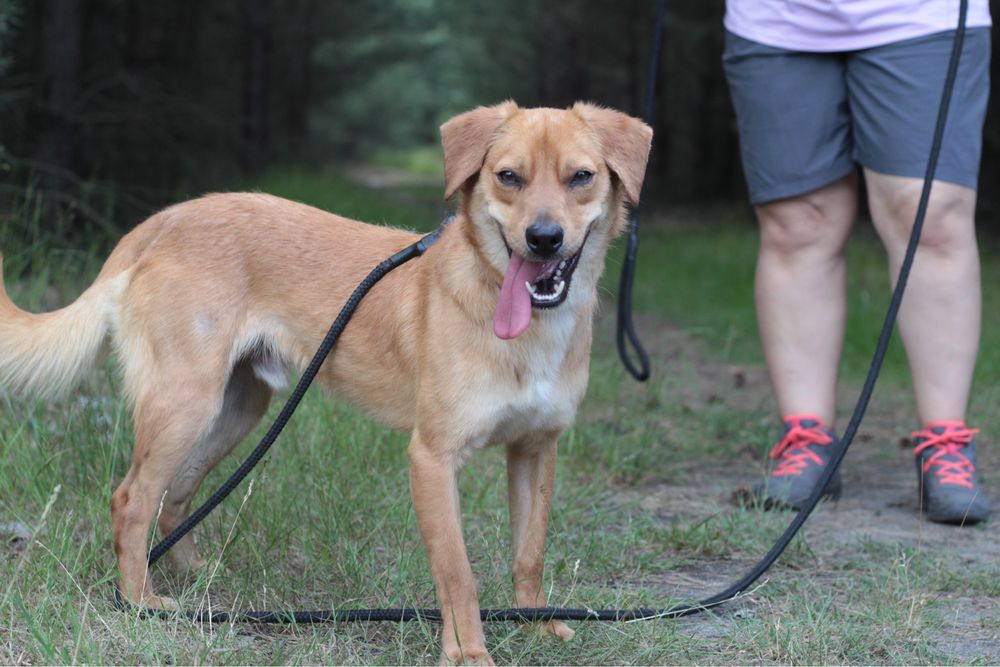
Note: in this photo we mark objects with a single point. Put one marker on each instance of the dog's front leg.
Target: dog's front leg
(433, 469)
(531, 473)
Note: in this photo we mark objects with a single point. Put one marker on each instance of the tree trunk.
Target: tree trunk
(300, 72)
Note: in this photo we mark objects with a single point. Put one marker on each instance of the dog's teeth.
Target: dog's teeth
(562, 265)
(556, 284)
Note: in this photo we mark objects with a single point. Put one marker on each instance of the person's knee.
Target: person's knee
(806, 224)
(947, 231)
(948, 228)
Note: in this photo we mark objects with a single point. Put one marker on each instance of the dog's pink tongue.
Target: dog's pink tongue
(513, 313)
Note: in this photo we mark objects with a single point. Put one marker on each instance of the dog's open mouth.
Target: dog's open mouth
(551, 286)
(527, 285)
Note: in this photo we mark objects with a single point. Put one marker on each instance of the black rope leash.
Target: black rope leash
(558, 613)
(384, 267)
(625, 332)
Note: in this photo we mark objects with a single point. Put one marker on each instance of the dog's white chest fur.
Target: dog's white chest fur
(531, 393)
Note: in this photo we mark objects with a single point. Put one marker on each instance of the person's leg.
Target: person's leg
(939, 320)
(801, 303)
(894, 92)
(795, 139)
(800, 293)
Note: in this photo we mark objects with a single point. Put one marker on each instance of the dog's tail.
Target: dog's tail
(46, 354)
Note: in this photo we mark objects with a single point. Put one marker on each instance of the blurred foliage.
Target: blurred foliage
(123, 105)
(10, 14)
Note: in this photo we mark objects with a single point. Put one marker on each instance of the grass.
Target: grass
(426, 161)
(418, 208)
(718, 257)
(328, 522)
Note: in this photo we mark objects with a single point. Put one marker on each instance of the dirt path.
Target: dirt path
(879, 504)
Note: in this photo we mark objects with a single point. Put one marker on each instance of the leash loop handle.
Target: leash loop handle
(625, 332)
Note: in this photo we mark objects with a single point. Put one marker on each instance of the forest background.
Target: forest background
(114, 108)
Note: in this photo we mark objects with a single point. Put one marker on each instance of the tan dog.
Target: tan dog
(485, 339)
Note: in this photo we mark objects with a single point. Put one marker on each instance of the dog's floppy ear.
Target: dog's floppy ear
(466, 138)
(625, 142)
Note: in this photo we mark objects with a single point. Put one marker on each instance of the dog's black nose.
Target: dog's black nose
(544, 238)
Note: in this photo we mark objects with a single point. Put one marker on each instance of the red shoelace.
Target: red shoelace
(954, 470)
(793, 450)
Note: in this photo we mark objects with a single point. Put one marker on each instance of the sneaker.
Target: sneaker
(801, 456)
(946, 470)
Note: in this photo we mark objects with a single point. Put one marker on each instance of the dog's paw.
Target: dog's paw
(555, 628)
(160, 602)
(468, 657)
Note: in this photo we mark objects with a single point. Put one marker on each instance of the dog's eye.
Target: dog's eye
(508, 177)
(581, 177)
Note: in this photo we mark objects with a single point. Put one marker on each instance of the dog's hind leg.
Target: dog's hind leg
(245, 401)
(172, 415)
(531, 473)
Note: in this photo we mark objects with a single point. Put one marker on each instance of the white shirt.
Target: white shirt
(845, 25)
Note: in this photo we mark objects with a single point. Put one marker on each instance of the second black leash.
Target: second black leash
(556, 613)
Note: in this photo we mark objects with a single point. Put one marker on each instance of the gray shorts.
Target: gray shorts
(806, 119)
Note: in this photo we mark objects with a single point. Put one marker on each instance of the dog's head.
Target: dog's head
(541, 187)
